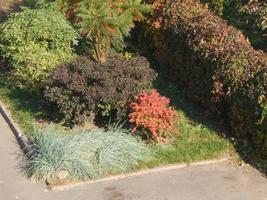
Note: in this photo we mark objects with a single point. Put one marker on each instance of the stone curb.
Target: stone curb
(140, 173)
(21, 138)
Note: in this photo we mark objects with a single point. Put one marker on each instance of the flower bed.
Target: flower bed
(88, 108)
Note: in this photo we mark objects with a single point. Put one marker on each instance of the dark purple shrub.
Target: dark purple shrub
(86, 88)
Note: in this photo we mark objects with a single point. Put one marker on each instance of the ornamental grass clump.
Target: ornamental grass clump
(85, 155)
(151, 112)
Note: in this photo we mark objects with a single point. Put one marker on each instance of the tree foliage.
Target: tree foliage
(104, 23)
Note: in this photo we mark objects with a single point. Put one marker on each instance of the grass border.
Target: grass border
(23, 142)
(21, 138)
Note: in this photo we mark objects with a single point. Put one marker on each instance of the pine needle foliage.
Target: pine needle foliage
(104, 23)
(85, 155)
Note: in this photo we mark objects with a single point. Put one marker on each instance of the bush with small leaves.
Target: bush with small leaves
(104, 23)
(34, 41)
(85, 88)
(152, 112)
(215, 63)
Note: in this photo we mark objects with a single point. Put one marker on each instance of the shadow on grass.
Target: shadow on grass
(197, 116)
(181, 103)
(26, 107)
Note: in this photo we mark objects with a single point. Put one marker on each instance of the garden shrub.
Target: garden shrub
(251, 18)
(34, 41)
(84, 155)
(104, 24)
(216, 6)
(258, 11)
(215, 63)
(151, 111)
(254, 12)
(7, 6)
(85, 88)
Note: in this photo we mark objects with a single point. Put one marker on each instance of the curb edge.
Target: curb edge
(21, 138)
(138, 173)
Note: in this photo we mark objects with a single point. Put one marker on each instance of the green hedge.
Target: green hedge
(216, 63)
(217, 6)
(251, 18)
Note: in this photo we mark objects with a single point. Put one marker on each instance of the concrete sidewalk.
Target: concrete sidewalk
(219, 181)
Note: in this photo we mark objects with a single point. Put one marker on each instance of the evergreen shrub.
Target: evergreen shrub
(104, 24)
(216, 6)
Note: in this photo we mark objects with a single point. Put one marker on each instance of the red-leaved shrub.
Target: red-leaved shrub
(152, 112)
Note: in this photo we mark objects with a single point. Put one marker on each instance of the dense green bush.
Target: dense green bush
(85, 155)
(258, 11)
(216, 6)
(85, 88)
(216, 63)
(251, 18)
(34, 41)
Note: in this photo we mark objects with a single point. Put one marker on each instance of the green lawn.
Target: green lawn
(195, 143)
(198, 138)
(26, 109)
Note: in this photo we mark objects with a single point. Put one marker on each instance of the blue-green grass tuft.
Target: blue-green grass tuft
(86, 155)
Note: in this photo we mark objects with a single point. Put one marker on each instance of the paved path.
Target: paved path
(211, 182)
